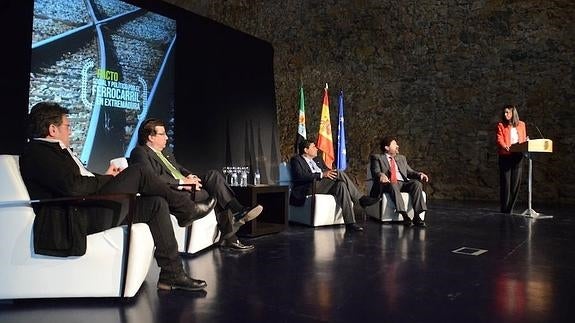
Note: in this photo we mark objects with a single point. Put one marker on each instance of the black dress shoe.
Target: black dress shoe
(236, 245)
(406, 219)
(366, 201)
(181, 281)
(353, 227)
(248, 214)
(419, 223)
(200, 209)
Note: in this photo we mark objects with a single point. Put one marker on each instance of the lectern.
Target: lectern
(528, 147)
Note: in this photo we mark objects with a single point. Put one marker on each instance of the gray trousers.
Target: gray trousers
(344, 191)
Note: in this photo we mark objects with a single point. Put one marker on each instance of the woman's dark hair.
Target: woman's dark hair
(514, 118)
(41, 116)
(148, 128)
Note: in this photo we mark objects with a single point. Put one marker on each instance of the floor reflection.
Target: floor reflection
(389, 271)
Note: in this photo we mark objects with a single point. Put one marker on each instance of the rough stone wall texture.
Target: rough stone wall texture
(434, 73)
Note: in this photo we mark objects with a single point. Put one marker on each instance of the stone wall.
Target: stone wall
(434, 73)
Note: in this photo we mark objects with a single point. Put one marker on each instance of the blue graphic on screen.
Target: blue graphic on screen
(111, 64)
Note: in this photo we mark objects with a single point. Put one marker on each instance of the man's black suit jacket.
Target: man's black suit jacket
(144, 155)
(303, 178)
(49, 171)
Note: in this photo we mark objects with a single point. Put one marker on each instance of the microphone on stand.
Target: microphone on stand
(539, 131)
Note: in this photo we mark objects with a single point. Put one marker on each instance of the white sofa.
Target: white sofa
(102, 272)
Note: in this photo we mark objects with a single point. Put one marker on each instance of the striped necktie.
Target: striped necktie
(173, 170)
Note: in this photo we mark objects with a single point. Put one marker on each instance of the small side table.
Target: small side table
(274, 200)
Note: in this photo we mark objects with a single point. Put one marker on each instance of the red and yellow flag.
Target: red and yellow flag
(325, 140)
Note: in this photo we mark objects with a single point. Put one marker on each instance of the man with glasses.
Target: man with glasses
(230, 214)
(50, 170)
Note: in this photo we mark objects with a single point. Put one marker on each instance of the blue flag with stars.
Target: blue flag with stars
(341, 152)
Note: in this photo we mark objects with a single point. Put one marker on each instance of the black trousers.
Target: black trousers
(344, 191)
(214, 184)
(510, 169)
(415, 190)
(154, 206)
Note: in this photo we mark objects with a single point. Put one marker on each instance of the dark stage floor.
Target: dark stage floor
(386, 274)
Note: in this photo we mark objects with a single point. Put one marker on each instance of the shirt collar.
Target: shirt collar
(307, 158)
(58, 141)
(153, 149)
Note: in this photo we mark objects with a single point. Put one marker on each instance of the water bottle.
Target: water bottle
(234, 177)
(244, 177)
(257, 177)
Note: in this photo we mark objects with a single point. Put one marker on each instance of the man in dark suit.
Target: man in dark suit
(391, 174)
(230, 214)
(50, 170)
(307, 168)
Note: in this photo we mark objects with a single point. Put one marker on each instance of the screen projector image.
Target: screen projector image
(111, 64)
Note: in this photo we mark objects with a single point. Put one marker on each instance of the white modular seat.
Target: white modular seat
(385, 211)
(201, 234)
(323, 211)
(318, 209)
(100, 272)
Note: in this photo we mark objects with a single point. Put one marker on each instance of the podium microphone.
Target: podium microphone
(539, 131)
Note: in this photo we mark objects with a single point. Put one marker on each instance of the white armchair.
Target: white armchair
(198, 236)
(201, 234)
(318, 209)
(385, 211)
(115, 264)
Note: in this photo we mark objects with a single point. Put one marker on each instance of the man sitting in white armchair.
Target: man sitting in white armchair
(230, 214)
(50, 170)
(391, 174)
(306, 168)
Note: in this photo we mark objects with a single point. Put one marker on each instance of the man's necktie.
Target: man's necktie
(392, 170)
(173, 170)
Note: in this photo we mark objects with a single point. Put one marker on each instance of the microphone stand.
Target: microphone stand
(529, 212)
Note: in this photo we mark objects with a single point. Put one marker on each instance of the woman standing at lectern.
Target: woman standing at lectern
(509, 131)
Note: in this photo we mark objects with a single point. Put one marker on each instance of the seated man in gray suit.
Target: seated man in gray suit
(230, 214)
(391, 174)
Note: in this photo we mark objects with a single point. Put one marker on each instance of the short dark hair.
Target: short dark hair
(303, 146)
(41, 116)
(386, 141)
(148, 128)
